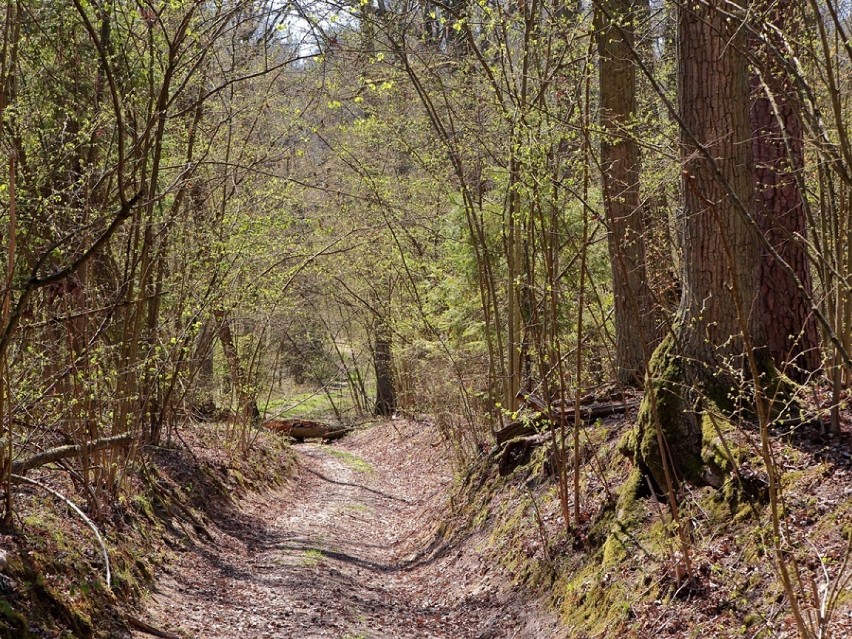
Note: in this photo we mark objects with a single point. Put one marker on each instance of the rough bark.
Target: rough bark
(635, 327)
(701, 361)
(792, 338)
(721, 250)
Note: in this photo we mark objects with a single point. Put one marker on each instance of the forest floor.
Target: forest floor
(352, 547)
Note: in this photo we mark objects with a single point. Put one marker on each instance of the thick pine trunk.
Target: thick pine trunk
(635, 326)
(792, 338)
(721, 250)
(701, 361)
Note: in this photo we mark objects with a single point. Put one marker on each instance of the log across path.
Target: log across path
(348, 549)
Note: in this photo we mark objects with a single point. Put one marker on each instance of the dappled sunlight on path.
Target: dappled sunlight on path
(350, 548)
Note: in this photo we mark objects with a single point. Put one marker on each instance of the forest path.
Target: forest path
(348, 549)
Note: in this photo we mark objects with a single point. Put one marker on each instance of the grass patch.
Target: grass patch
(310, 404)
(353, 461)
(356, 508)
(312, 557)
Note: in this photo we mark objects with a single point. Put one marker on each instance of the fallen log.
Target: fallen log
(526, 427)
(337, 434)
(71, 450)
(518, 428)
(301, 429)
(539, 404)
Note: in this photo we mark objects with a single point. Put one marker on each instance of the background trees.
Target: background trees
(122, 123)
(466, 209)
(442, 176)
(635, 326)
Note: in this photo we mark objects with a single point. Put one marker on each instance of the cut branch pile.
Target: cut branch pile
(591, 408)
(516, 440)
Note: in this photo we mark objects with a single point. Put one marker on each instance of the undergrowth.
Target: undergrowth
(616, 571)
(54, 584)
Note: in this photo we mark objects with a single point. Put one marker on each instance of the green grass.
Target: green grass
(353, 461)
(308, 404)
(356, 508)
(312, 557)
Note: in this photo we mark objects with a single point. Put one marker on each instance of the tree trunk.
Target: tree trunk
(792, 339)
(247, 402)
(203, 397)
(635, 327)
(721, 250)
(701, 361)
(385, 392)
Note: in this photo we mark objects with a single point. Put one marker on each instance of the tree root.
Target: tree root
(148, 629)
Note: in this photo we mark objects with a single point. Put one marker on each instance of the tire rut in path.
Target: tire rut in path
(348, 549)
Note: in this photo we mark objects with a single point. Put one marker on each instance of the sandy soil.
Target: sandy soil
(349, 549)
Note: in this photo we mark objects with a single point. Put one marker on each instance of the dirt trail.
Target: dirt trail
(347, 550)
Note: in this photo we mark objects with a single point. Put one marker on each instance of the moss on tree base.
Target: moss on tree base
(687, 412)
(667, 415)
